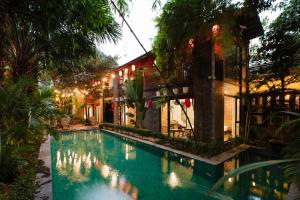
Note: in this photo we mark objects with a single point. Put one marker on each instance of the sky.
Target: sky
(141, 19)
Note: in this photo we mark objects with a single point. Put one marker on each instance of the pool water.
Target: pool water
(94, 165)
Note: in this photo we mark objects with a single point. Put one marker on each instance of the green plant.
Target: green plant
(291, 155)
(134, 97)
(8, 166)
(207, 149)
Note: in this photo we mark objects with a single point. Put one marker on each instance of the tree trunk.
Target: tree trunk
(282, 99)
(139, 115)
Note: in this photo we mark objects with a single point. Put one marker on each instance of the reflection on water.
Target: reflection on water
(94, 165)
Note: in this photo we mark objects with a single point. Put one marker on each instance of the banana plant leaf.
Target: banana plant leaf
(247, 168)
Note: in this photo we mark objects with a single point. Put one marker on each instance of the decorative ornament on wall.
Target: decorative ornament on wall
(113, 106)
(187, 102)
(149, 104)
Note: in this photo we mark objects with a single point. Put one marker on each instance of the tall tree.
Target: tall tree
(64, 31)
(281, 46)
(135, 97)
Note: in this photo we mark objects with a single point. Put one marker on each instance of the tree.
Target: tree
(89, 71)
(23, 120)
(291, 158)
(64, 31)
(44, 37)
(135, 98)
(281, 46)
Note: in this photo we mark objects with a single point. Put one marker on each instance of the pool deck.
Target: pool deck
(45, 182)
(216, 160)
(79, 127)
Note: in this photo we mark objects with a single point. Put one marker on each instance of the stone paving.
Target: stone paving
(44, 181)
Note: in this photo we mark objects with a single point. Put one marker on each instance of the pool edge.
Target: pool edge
(189, 155)
(45, 183)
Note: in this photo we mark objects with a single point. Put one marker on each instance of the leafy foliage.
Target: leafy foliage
(281, 46)
(179, 22)
(291, 154)
(26, 111)
(291, 131)
(91, 69)
(64, 32)
(247, 168)
(134, 97)
(196, 147)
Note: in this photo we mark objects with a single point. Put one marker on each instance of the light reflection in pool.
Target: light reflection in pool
(90, 166)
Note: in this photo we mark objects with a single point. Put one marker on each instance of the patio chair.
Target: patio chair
(65, 122)
(93, 121)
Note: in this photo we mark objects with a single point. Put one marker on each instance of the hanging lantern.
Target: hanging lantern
(113, 106)
(218, 49)
(187, 102)
(149, 103)
(215, 30)
(120, 73)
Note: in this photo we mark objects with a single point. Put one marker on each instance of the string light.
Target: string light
(215, 29)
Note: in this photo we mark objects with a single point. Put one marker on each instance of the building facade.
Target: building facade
(212, 95)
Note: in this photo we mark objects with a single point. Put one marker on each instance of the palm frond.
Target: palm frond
(247, 168)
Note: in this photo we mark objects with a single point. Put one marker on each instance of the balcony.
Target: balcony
(108, 93)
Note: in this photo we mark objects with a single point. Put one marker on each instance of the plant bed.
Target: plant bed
(205, 149)
(24, 186)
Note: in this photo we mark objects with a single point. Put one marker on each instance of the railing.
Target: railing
(265, 107)
(181, 78)
(108, 93)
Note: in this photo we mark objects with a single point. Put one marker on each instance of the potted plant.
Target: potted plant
(175, 90)
(164, 91)
(157, 93)
(185, 90)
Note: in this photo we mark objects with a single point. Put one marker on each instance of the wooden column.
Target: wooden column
(208, 94)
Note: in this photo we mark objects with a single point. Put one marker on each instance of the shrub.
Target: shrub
(8, 166)
(207, 149)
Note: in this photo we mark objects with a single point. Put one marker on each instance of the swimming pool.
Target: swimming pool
(90, 165)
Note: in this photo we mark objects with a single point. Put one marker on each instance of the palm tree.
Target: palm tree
(134, 97)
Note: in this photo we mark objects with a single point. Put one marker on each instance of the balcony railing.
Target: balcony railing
(108, 93)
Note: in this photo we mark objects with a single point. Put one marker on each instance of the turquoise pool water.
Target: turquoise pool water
(94, 165)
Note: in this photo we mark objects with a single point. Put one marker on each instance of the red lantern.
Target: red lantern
(113, 106)
(149, 103)
(187, 102)
(218, 49)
